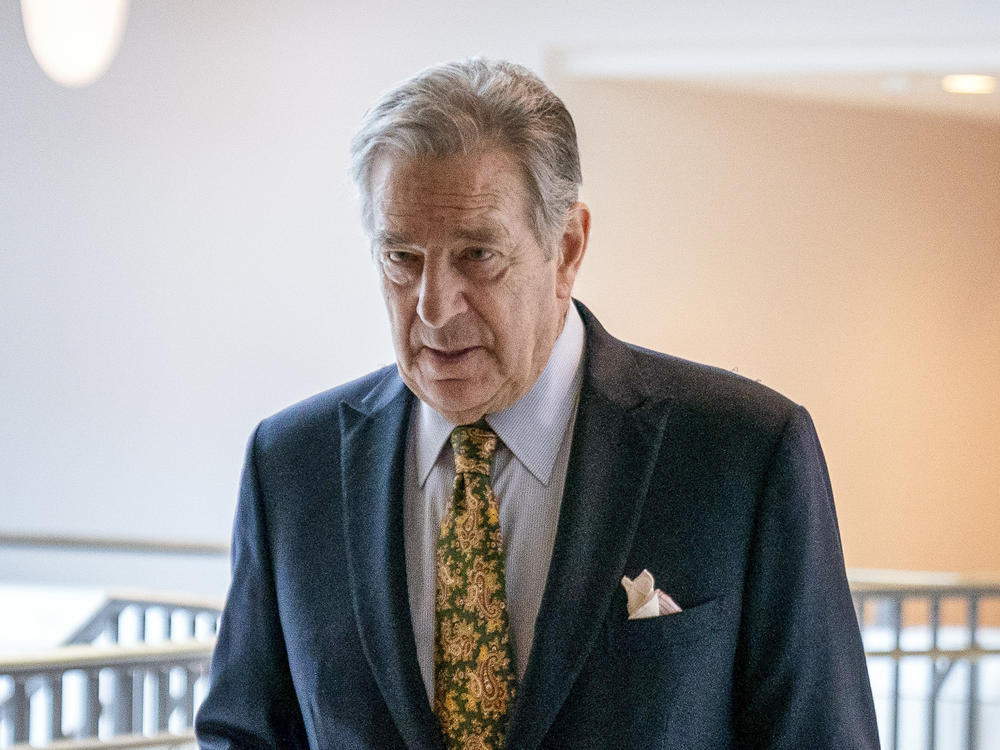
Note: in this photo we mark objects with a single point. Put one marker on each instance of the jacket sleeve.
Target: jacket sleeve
(251, 702)
(801, 678)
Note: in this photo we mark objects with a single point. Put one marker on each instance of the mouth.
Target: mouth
(451, 353)
(444, 357)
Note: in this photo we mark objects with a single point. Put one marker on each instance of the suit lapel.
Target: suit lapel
(372, 454)
(616, 441)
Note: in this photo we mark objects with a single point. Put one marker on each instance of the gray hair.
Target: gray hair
(458, 108)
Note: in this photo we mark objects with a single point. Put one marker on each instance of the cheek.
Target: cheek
(400, 314)
(515, 335)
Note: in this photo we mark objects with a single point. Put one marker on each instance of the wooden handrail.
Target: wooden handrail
(115, 544)
(67, 658)
(974, 653)
(865, 579)
(119, 742)
(169, 599)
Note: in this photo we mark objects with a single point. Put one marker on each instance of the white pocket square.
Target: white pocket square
(644, 599)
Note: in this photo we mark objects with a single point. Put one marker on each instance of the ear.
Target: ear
(572, 246)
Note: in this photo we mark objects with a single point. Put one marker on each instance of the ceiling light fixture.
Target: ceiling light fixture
(74, 41)
(969, 84)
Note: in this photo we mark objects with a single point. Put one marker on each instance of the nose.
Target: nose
(442, 293)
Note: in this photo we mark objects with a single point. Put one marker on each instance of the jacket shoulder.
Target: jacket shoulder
(318, 415)
(711, 392)
(707, 395)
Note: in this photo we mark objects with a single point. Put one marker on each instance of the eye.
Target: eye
(398, 256)
(400, 266)
(478, 253)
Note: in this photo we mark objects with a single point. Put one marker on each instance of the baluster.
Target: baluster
(22, 710)
(111, 625)
(163, 699)
(55, 716)
(191, 675)
(181, 624)
(139, 700)
(6, 718)
(934, 621)
(973, 735)
(122, 704)
(897, 626)
(92, 712)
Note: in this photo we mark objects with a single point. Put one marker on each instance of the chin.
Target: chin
(459, 402)
(458, 410)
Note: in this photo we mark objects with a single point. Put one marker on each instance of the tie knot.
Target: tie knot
(473, 445)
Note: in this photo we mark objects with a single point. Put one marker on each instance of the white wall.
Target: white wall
(179, 251)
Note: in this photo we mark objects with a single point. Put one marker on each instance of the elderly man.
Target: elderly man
(526, 534)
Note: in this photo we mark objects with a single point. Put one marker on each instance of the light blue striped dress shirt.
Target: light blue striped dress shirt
(528, 476)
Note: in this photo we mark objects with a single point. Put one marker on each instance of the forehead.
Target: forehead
(482, 187)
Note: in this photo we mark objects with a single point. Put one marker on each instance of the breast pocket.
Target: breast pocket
(665, 632)
(625, 693)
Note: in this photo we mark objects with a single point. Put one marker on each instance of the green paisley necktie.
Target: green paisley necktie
(474, 679)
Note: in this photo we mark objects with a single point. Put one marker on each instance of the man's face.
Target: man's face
(473, 304)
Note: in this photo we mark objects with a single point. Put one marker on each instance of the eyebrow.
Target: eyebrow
(486, 235)
(386, 238)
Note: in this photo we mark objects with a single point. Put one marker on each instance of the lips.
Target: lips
(451, 353)
(450, 359)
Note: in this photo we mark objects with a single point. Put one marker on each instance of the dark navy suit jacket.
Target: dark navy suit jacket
(714, 483)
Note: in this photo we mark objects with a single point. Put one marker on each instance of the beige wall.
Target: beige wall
(847, 258)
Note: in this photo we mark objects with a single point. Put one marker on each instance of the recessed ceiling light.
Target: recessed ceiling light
(74, 41)
(969, 84)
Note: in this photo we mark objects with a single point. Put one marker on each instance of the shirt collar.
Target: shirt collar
(533, 427)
